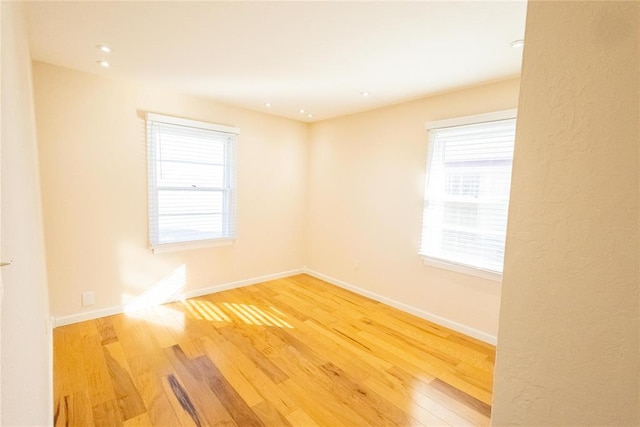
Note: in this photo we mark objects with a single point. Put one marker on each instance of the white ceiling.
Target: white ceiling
(316, 56)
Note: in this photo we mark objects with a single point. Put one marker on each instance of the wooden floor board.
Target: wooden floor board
(289, 352)
(269, 415)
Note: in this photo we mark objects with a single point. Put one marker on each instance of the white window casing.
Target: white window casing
(467, 188)
(192, 183)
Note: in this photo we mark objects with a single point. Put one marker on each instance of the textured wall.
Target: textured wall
(568, 336)
(26, 339)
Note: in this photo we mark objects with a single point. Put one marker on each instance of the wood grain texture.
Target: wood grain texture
(289, 352)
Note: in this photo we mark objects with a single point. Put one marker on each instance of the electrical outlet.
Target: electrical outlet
(356, 264)
(88, 298)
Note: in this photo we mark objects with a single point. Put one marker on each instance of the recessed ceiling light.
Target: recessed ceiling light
(364, 93)
(104, 48)
(517, 44)
(301, 111)
(267, 104)
(310, 115)
(105, 64)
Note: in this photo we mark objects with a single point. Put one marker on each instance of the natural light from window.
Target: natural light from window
(467, 191)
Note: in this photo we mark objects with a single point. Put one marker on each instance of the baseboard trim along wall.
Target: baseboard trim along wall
(109, 311)
(458, 327)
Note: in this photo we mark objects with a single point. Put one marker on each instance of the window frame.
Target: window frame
(455, 122)
(230, 170)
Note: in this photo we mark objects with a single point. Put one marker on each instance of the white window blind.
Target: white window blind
(191, 181)
(467, 194)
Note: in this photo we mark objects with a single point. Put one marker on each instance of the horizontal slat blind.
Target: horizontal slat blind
(467, 194)
(191, 181)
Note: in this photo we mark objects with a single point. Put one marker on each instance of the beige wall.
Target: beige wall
(349, 172)
(91, 136)
(354, 170)
(568, 342)
(366, 183)
(26, 338)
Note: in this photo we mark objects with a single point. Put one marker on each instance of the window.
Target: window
(191, 182)
(467, 193)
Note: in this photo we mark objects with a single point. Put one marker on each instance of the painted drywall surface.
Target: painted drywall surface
(366, 184)
(91, 135)
(26, 340)
(568, 341)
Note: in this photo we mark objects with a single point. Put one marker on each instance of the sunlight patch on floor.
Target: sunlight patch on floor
(149, 303)
(161, 315)
(205, 310)
(161, 292)
(227, 312)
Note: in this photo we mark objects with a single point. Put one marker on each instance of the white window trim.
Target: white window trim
(459, 268)
(194, 244)
(470, 120)
(461, 121)
(191, 123)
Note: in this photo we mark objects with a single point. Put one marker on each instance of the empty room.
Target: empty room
(320, 213)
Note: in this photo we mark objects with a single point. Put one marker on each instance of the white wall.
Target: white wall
(91, 137)
(26, 340)
(569, 322)
(366, 186)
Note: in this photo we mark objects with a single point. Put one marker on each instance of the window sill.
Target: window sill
(185, 246)
(458, 268)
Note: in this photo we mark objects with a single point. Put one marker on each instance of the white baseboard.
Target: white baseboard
(109, 311)
(458, 327)
(87, 315)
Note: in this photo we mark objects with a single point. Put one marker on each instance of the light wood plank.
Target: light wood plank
(233, 374)
(96, 370)
(73, 410)
(269, 390)
(202, 398)
(300, 418)
(179, 399)
(106, 331)
(107, 414)
(228, 396)
(142, 420)
(126, 393)
(269, 415)
(147, 373)
(295, 351)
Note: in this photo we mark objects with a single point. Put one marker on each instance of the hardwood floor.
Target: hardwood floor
(295, 351)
